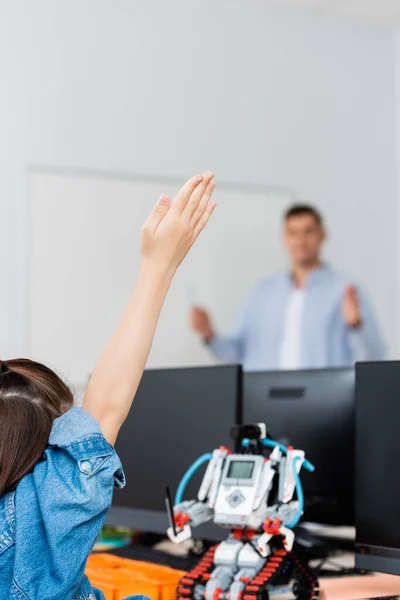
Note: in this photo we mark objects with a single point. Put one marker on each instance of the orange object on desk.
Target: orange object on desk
(119, 577)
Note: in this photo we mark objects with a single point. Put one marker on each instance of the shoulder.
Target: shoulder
(78, 431)
(76, 440)
(76, 423)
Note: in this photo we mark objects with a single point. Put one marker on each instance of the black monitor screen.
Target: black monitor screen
(177, 416)
(377, 471)
(312, 411)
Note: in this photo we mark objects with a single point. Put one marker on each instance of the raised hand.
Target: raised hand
(201, 323)
(172, 228)
(168, 234)
(351, 309)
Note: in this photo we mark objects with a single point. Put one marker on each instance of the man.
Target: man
(308, 318)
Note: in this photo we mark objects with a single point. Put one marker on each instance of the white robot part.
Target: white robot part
(265, 483)
(263, 430)
(196, 513)
(210, 474)
(263, 541)
(237, 490)
(249, 557)
(289, 480)
(288, 534)
(227, 552)
(236, 563)
(200, 513)
(276, 455)
(219, 465)
(220, 580)
(285, 512)
(263, 544)
(180, 536)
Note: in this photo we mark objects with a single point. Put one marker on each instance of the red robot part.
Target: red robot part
(181, 520)
(272, 526)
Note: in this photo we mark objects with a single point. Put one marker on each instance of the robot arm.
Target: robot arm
(187, 515)
(291, 465)
(281, 518)
(267, 477)
(193, 513)
(209, 487)
(276, 517)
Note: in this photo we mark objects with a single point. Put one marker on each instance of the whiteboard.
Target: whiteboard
(85, 259)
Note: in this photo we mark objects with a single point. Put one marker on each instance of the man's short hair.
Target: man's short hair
(297, 210)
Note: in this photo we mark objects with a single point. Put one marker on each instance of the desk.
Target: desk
(334, 588)
(354, 587)
(357, 588)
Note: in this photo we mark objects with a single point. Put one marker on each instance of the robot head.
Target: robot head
(251, 432)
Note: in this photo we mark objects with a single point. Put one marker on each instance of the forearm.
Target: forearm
(167, 236)
(115, 380)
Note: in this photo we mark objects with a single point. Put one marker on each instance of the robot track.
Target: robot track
(280, 568)
(199, 575)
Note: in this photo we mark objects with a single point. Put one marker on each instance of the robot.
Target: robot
(252, 496)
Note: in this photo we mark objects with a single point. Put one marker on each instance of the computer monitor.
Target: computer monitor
(377, 468)
(314, 411)
(177, 416)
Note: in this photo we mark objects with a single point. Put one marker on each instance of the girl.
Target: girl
(57, 462)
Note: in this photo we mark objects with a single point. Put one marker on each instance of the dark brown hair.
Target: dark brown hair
(31, 397)
(304, 209)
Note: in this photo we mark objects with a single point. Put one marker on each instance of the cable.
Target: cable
(299, 488)
(245, 443)
(189, 474)
(272, 444)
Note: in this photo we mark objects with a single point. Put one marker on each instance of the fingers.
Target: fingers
(201, 322)
(196, 204)
(351, 293)
(198, 315)
(208, 211)
(201, 206)
(182, 197)
(158, 213)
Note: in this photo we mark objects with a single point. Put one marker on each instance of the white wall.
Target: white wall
(95, 260)
(170, 87)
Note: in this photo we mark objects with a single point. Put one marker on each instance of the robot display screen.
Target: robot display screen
(241, 469)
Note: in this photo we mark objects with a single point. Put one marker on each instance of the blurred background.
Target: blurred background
(106, 103)
(294, 104)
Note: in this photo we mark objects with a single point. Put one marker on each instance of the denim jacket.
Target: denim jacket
(50, 523)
